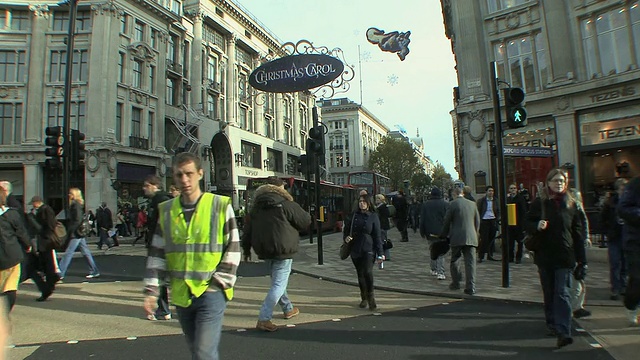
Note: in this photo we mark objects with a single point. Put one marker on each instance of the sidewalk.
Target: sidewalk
(409, 271)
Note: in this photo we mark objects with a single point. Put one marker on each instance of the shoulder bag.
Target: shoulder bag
(532, 241)
(345, 248)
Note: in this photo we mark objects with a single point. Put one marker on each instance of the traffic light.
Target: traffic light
(516, 114)
(303, 164)
(77, 150)
(55, 147)
(315, 143)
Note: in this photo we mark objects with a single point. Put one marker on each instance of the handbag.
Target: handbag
(345, 248)
(387, 244)
(531, 241)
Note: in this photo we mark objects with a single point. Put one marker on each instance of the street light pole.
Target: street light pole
(68, 78)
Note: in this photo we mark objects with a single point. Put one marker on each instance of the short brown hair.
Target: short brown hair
(153, 180)
(185, 158)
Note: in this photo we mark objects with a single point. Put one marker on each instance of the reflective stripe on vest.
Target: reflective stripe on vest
(193, 251)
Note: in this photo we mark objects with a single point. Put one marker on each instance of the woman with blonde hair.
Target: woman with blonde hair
(556, 224)
(76, 214)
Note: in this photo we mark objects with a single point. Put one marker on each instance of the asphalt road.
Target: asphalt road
(458, 330)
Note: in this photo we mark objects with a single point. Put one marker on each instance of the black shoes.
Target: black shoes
(469, 291)
(44, 296)
(363, 304)
(564, 341)
(581, 313)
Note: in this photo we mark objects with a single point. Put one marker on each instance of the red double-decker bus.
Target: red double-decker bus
(337, 200)
(371, 181)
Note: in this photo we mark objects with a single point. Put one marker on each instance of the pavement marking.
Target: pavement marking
(241, 330)
(413, 309)
(581, 330)
(132, 338)
(377, 314)
(72, 342)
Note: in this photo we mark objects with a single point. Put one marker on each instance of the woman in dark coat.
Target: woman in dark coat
(363, 229)
(383, 215)
(561, 250)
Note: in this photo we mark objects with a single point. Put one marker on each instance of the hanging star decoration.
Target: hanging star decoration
(395, 42)
(392, 79)
(380, 101)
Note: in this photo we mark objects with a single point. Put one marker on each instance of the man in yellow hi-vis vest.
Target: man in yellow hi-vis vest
(196, 248)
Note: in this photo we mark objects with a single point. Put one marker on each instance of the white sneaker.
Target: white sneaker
(526, 255)
(632, 315)
(152, 317)
(441, 277)
(434, 273)
(92, 276)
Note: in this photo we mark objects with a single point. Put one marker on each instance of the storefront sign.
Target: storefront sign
(610, 131)
(251, 172)
(613, 94)
(296, 73)
(528, 151)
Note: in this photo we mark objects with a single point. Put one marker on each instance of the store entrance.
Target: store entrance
(527, 172)
(601, 168)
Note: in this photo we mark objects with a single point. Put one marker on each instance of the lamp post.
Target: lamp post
(66, 127)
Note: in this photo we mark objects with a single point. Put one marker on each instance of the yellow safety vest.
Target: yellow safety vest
(193, 251)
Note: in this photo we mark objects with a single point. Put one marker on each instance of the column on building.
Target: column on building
(258, 111)
(568, 141)
(230, 89)
(197, 60)
(37, 65)
(161, 85)
(295, 119)
(556, 15)
(101, 105)
(279, 116)
(32, 172)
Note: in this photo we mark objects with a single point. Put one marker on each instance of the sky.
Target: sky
(415, 94)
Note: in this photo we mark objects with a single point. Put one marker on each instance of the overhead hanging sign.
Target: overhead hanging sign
(296, 73)
(528, 151)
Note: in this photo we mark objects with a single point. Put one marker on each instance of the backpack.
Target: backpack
(85, 227)
(58, 237)
(392, 210)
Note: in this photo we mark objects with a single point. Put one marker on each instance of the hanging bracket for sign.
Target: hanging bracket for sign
(305, 67)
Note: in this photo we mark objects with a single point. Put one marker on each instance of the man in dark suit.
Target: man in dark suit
(104, 220)
(516, 232)
(489, 209)
(461, 224)
(402, 213)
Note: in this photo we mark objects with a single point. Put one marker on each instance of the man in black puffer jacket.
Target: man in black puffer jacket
(272, 231)
(629, 211)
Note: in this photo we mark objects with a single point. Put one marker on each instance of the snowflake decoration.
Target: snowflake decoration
(380, 101)
(365, 56)
(392, 79)
(356, 32)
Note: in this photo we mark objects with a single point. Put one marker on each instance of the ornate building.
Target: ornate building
(150, 79)
(351, 127)
(577, 61)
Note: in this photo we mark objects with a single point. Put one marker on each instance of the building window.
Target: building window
(541, 57)
(251, 155)
(176, 6)
(605, 36)
(121, 67)
(61, 21)
(10, 123)
(497, 5)
(339, 160)
(171, 92)
(119, 111)
(58, 64)
(269, 127)
(519, 68)
(287, 134)
(274, 160)
(152, 120)
(243, 57)
(123, 24)
(136, 121)
(211, 106)
(55, 115)
(12, 66)
(152, 79)
(138, 31)
(242, 117)
(243, 88)
(16, 20)
(213, 36)
(171, 49)
(211, 69)
(154, 38)
(137, 73)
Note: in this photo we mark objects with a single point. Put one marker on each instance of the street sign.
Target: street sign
(296, 73)
(530, 151)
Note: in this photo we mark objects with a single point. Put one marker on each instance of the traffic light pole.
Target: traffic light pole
(502, 191)
(66, 173)
(316, 168)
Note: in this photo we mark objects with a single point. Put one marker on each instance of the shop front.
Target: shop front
(529, 156)
(609, 149)
(130, 178)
